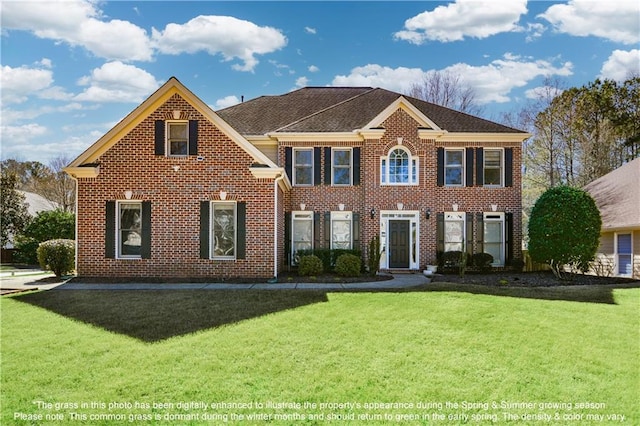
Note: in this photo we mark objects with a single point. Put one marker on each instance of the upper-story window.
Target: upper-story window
(454, 167)
(303, 166)
(177, 138)
(493, 167)
(341, 167)
(398, 168)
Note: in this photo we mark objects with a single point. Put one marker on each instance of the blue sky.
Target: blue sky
(71, 70)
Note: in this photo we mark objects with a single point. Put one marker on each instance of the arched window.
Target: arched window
(398, 168)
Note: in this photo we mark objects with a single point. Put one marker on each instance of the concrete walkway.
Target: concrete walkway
(35, 282)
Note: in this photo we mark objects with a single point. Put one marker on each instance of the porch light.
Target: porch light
(372, 213)
(427, 213)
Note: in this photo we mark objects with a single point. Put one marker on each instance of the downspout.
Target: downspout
(75, 263)
(275, 227)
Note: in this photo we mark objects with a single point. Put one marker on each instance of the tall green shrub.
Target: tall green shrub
(57, 256)
(47, 225)
(374, 255)
(564, 229)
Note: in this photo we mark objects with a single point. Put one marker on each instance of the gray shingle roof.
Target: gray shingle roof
(617, 195)
(340, 109)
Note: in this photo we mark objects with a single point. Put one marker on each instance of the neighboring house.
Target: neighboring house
(178, 190)
(617, 196)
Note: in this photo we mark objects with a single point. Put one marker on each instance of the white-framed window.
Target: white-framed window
(303, 166)
(454, 167)
(493, 167)
(494, 237)
(223, 230)
(129, 224)
(177, 138)
(301, 233)
(454, 231)
(624, 254)
(341, 166)
(399, 168)
(341, 230)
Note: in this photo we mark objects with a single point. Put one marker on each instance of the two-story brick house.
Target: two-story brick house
(178, 190)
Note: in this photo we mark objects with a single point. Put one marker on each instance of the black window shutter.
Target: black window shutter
(440, 167)
(327, 230)
(145, 248)
(479, 167)
(159, 137)
(317, 166)
(327, 165)
(287, 237)
(288, 162)
(480, 233)
(110, 230)
(356, 166)
(508, 238)
(193, 137)
(469, 233)
(508, 167)
(317, 236)
(356, 231)
(469, 167)
(440, 233)
(241, 231)
(204, 229)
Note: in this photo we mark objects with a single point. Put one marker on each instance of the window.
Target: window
(493, 167)
(494, 241)
(223, 226)
(624, 254)
(454, 231)
(177, 139)
(398, 168)
(303, 167)
(341, 230)
(341, 166)
(129, 234)
(302, 233)
(454, 171)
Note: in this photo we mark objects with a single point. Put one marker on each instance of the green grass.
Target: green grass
(299, 346)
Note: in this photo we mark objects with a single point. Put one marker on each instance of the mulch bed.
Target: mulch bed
(530, 279)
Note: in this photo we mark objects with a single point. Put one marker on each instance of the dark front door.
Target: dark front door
(398, 244)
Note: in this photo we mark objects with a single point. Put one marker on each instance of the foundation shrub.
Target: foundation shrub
(310, 265)
(57, 256)
(348, 265)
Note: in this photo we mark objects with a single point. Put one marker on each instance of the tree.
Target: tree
(14, 215)
(47, 225)
(564, 229)
(448, 90)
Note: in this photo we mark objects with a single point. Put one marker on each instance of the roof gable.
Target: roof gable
(166, 91)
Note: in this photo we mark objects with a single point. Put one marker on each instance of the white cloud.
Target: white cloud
(117, 82)
(310, 30)
(464, 18)
(302, 82)
(313, 68)
(492, 82)
(225, 102)
(20, 137)
(616, 21)
(621, 65)
(79, 23)
(225, 35)
(19, 83)
(45, 152)
(397, 79)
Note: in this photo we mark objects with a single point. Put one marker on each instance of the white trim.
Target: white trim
(118, 230)
(167, 138)
(502, 167)
(340, 148)
(455, 216)
(462, 167)
(404, 104)
(495, 217)
(341, 216)
(384, 174)
(316, 136)
(516, 138)
(293, 166)
(295, 213)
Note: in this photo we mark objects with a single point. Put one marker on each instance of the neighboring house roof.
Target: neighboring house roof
(617, 195)
(37, 203)
(341, 109)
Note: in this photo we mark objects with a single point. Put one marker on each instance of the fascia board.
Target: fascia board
(401, 103)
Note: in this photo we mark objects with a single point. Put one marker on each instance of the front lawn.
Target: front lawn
(388, 357)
